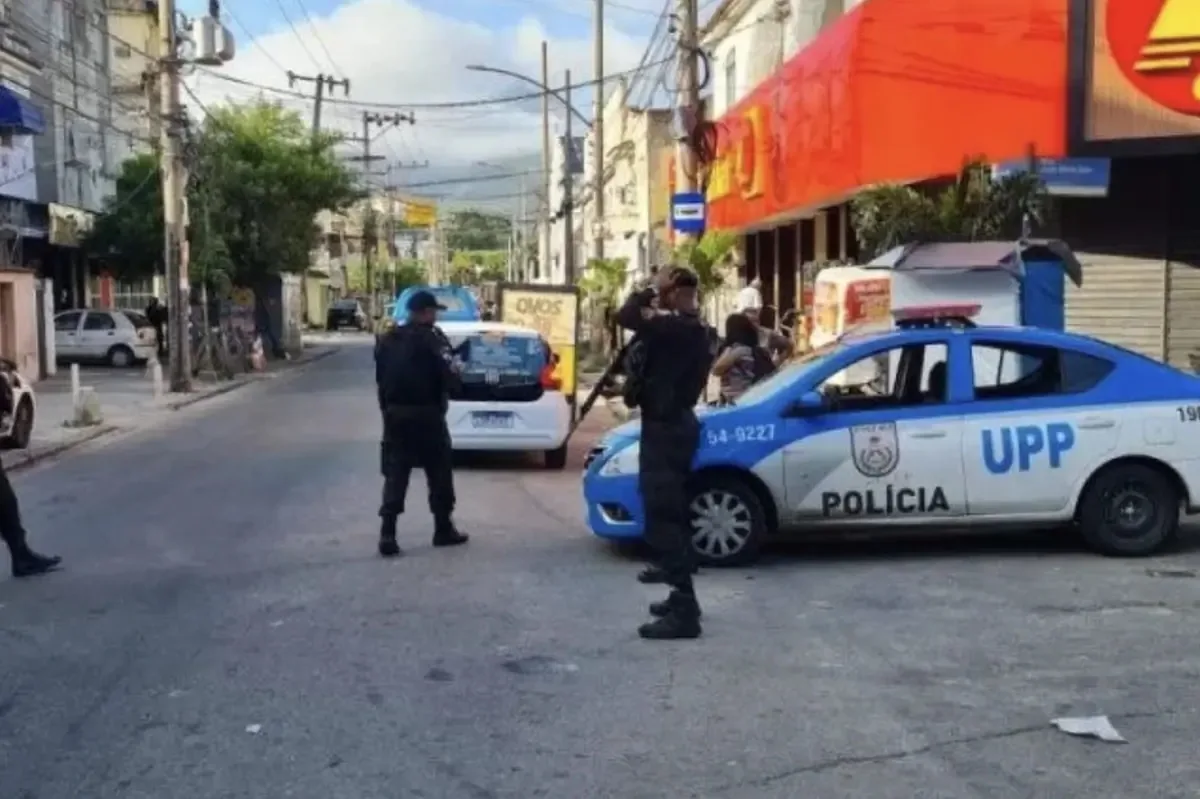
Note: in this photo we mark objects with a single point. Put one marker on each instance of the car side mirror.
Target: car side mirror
(810, 403)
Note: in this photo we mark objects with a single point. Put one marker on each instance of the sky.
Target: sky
(402, 53)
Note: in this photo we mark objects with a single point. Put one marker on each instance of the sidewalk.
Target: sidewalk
(126, 399)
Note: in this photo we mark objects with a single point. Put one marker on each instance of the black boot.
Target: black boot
(388, 547)
(682, 620)
(673, 601)
(445, 534)
(28, 563)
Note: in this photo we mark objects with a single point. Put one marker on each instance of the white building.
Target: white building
(751, 39)
(133, 45)
(637, 143)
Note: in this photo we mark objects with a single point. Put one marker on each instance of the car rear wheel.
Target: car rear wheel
(22, 428)
(556, 458)
(120, 356)
(1129, 510)
(727, 520)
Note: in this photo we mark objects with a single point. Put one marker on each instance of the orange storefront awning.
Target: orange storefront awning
(896, 90)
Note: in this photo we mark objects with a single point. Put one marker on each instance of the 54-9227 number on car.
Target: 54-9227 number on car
(741, 434)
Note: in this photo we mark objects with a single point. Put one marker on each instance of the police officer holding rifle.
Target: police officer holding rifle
(666, 383)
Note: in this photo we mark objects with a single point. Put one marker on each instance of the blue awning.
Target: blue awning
(20, 115)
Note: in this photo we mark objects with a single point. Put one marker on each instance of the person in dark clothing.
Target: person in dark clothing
(676, 360)
(156, 315)
(25, 562)
(414, 373)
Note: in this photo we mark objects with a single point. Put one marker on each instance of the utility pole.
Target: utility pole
(688, 100)
(548, 217)
(322, 82)
(174, 229)
(569, 192)
(379, 120)
(598, 133)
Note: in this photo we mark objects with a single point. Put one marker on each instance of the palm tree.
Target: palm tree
(976, 207)
(603, 283)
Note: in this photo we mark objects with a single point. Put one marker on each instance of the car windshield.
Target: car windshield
(451, 300)
(789, 373)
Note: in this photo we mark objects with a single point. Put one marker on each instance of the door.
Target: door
(97, 334)
(66, 334)
(880, 453)
(1030, 436)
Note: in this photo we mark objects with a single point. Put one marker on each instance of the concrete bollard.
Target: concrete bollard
(156, 375)
(74, 385)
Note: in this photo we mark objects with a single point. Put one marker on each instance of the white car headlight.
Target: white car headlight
(623, 463)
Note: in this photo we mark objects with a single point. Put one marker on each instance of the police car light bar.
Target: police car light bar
(915, 315)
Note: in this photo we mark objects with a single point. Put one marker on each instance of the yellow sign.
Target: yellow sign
(419, 214)
(553, 313)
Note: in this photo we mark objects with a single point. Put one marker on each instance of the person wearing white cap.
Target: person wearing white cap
(750, 298)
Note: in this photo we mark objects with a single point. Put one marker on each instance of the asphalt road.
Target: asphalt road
(224, 630)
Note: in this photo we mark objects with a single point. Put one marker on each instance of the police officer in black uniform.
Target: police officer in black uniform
(25, 562)
(674, 369)
(414, 373)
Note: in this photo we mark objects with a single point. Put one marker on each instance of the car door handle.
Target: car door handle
(1097, 424)
(930, 434)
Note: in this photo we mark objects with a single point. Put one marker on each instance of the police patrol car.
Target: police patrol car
(946, 425)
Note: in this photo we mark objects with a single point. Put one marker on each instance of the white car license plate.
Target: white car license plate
(492, 420)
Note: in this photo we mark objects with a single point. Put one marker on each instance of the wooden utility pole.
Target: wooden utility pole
(688, 100)
(599, 227)
(174, 227)
(569, 191)
(322, 82)
(547, 218)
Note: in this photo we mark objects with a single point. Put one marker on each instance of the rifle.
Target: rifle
(614, 368)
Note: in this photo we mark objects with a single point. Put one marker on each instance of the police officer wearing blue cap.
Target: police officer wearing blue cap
(414, 374)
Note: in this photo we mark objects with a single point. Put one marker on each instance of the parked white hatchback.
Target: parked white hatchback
(118, 338)
(510, 396)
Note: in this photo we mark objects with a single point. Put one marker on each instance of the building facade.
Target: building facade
(552, 265)
(635, 201)
(134, 46)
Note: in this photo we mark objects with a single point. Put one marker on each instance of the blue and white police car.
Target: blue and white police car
(943, 425)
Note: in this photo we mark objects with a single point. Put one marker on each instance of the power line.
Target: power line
(479, 179)
(516, 98)
(287, 18)
(313, 27)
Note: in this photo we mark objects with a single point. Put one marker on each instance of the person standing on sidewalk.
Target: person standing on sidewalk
(156, 315)
(414, 372)
(676, 363)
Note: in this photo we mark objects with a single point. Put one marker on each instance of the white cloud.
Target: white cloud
(394, 51)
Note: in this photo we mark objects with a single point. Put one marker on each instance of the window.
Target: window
(99, 321)
(68, 322)
(901, 377)
(122, 51)
(1015, 371)
(731, 81)
(138, 320)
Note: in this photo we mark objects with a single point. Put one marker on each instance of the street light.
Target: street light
(532, 82)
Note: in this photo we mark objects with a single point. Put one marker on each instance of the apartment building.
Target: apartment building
(134, 45)
(636, 193)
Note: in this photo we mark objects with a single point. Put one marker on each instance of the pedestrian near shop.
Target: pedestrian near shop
(414, 375)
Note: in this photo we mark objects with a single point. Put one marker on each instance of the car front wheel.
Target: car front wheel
(22, 428)
(1129, 510)
(727, 520)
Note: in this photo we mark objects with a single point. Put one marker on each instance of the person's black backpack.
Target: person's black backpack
(634, 367)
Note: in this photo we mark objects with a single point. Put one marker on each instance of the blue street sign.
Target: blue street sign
(1066, 177)
(687, 212)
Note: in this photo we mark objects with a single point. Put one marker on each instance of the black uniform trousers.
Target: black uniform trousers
(664, 463)
(417, 438)
(12, 532)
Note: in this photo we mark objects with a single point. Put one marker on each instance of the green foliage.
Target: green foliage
(604, 280)
(472, 268)
(974, 208)
(476, 231)
(129, 236)
(711, 258)
(410, 272)
(259, 179)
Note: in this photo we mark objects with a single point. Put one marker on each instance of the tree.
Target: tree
(474, 230)
(603, 283)
(258, 179)
(128, 237)
(976, 207)
(710, 258)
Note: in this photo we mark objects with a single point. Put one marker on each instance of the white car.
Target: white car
(510, 396)
(118, 338)
(16, 428)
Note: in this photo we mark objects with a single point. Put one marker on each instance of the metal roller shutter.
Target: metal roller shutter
(1122, 300)
(1183, 314)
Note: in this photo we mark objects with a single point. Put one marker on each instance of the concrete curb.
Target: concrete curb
(23, 459)
(245, 380)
